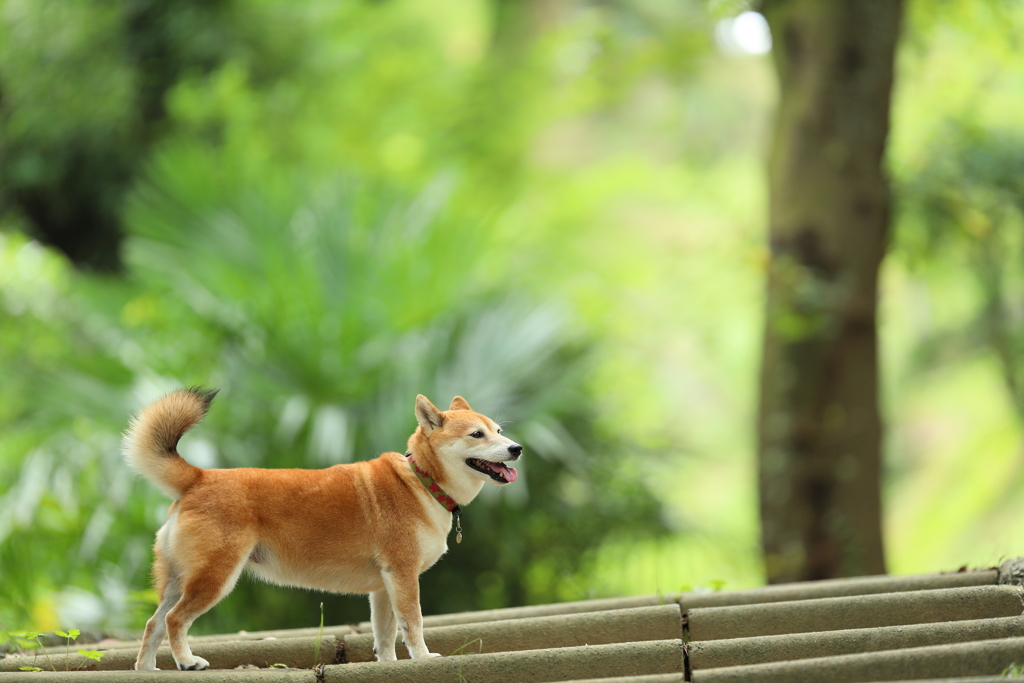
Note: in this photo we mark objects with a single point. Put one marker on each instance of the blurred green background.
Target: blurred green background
(555, 209)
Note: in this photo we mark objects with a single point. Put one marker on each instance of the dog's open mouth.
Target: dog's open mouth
(499, 472)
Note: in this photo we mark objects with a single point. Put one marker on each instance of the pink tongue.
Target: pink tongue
(509, 473)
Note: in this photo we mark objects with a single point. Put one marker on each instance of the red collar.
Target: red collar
(439, 494)
(446, 501)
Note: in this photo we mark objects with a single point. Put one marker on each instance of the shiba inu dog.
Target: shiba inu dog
(365, 527)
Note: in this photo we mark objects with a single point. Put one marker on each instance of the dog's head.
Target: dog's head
(466, 442)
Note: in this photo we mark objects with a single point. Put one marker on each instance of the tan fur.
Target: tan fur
(365, 527)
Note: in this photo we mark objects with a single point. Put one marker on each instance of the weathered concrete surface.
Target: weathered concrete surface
(758, 650)
(836, 588)
(294, 652)
(652, 678)
(337, 631)
(1011, 572)
(532, 666)
(984, 658)
(564, 630)
(861, 611)
(959, 679)
(863, 585)
(539, 610)
(230, 676)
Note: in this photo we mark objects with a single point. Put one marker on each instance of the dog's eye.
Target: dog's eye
(477, 434)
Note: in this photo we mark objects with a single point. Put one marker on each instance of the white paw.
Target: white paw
(423, 655)
(387, 657)
(196, 664)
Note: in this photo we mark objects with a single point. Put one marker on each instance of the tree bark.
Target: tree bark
(819, 427)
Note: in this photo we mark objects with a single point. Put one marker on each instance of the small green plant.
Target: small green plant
(462, 679)
(35, 635)
(465, 645)
(35, 638)
(1013, 670)
(71, 634)
(279, 665)
(319, 637)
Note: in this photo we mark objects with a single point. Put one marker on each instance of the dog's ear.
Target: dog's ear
(427, 414)
(459, 403)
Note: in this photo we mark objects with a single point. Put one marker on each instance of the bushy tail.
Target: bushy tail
(150, 444)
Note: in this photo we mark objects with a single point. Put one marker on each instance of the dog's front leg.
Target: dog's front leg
(403, 587)
(385, 626)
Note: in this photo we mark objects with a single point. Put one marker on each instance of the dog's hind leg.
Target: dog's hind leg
(202, 587)
(169, 589)
(403, 586)
(385, 626)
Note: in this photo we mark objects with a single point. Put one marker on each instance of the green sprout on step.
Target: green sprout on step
(462, 679)
(465, 645)
(35, 635)
(72, 633)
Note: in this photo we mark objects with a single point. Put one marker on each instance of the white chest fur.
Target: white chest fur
(433, 537)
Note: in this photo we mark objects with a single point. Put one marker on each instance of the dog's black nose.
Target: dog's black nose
(515, 449)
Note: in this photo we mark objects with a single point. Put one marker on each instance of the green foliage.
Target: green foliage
(1012, 671)
(968, 200)
(35, 636)
(72, 146)
(953, 289)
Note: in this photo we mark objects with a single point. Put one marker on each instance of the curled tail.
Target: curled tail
(150, 444)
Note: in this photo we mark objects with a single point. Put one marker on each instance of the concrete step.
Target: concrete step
(761, 649)
(507, 613)
(635, 624)
(985, 658)
(837, 588)
(807, 590)
(532, 666)
(859, 611)
(652, 678)
(293, 652)
(216, 676)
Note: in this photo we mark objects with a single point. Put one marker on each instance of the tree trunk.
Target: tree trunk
(819, 427)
